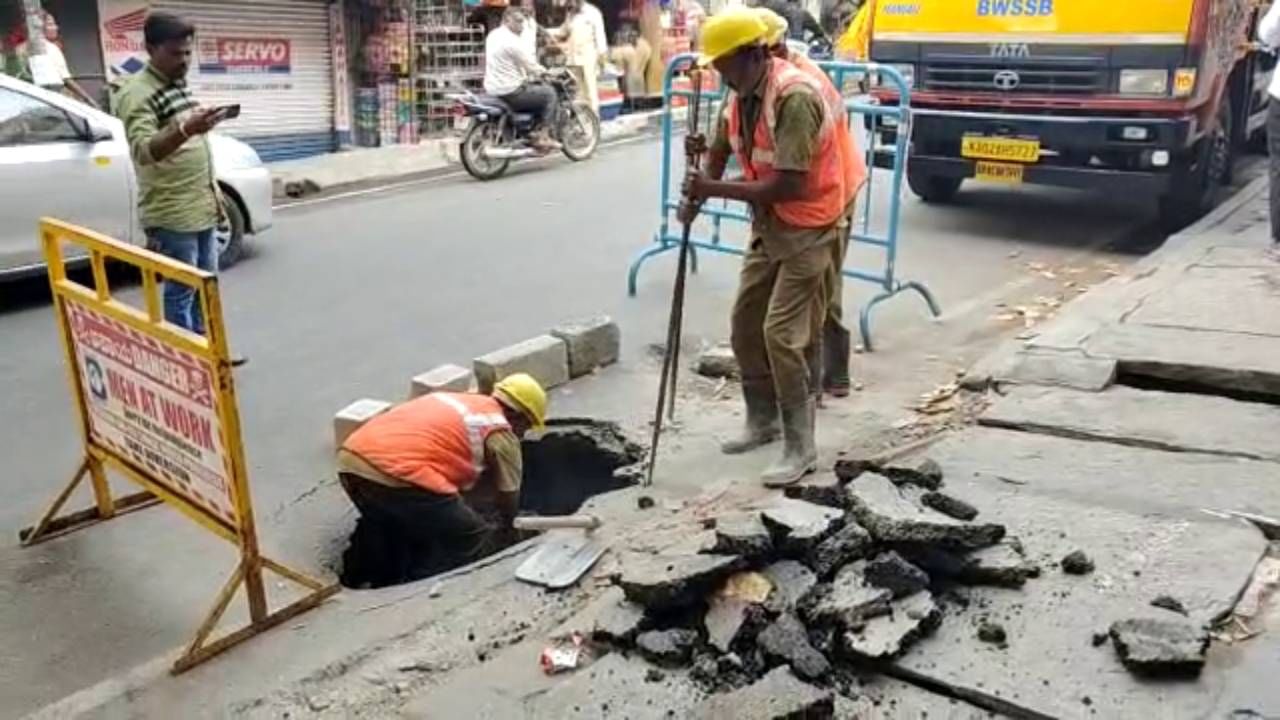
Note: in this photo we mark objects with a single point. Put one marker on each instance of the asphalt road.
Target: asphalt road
(350, 297)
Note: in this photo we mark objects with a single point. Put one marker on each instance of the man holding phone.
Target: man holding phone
(178, 197)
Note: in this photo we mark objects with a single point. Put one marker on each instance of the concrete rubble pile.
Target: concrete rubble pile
(838, 574)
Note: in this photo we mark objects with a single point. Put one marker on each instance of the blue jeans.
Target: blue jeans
(193, 248)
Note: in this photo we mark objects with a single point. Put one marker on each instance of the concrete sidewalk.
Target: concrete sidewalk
(367, 167)
(1139, 426)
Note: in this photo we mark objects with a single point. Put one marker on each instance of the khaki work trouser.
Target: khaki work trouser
(778, 315)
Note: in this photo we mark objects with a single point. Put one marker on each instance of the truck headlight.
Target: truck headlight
(906, 70)
(1144, 82)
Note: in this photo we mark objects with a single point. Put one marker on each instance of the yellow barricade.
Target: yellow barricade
(158, 405)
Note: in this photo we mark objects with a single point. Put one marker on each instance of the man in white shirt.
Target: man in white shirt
(56, 63)
(585, 47)
(511, 72)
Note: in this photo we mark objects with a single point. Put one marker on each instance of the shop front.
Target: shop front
(275, 58)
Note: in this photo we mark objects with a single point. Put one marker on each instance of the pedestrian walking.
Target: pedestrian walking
(1269, 34)
(179, 200)
(776, 124)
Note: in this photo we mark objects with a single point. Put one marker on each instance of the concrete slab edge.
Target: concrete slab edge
(1176, 248)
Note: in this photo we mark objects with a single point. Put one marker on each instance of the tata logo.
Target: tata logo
(1015, 8)
(1006, 80)
(1013, 51)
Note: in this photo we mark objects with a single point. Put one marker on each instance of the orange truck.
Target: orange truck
(1123, 96)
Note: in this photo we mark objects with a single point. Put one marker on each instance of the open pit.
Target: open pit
(571, 461)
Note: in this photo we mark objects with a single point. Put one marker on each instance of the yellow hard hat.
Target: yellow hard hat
(776, 24)
(731, 29)
(521, 392)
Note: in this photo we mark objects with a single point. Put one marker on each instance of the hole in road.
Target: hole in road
(1259, 387)
(573, 460)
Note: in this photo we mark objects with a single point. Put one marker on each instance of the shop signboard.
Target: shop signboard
(244, 55)
(123, 50)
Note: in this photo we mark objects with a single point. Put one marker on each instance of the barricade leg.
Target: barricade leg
(51, 525)
(864, 317)
(658, 247)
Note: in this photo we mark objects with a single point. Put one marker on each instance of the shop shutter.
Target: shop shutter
(286, 105)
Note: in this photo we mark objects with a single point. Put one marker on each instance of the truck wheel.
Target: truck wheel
(1199, 178)
(933, 188)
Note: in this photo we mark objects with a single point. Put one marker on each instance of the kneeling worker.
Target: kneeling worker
(407, 469)
(778, 127)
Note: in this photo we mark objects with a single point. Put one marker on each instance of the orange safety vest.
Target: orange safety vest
(435, 441)
(824, 199)
(851, 157)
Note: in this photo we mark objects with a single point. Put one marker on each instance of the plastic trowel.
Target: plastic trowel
(567, 551)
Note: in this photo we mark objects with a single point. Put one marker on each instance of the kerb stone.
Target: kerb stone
(446, 378)
(350, 418)
(590, 343)
(545, 358)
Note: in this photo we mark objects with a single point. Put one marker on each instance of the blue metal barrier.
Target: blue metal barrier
(861, 230)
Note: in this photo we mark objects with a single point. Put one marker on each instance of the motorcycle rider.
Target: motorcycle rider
(511, 74)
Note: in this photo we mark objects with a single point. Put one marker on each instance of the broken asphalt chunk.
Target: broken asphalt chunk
(849, 543)
(889, 571)
(791, 582)
(717, 361)
(1160, 648)
(669, 648)
(1170, 603)
(847, 602)
(780, 695)
(887, 636)
(892, 518)
(1002, 565)
(742, 534)
(993, 633)
(732, 622)
(610, 618)
(668, 582)
(950, 506)
(926, 474)
(797, 527)
(786, 640)
(826, 490)
(1077, 563)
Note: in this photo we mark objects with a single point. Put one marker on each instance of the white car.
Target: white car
(64, 159)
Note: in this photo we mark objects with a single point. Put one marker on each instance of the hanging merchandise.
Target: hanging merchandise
(385, 97)
(449, 60)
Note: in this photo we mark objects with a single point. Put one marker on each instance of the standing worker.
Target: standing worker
(166, 128)
(586, 47)
(777, 126)
(835, 345)
(406, 471)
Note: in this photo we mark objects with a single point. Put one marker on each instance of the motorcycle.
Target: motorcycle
(497, 134)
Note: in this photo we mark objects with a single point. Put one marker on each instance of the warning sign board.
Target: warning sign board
(155, 405)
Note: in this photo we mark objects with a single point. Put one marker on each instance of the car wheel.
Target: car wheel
(228, 236)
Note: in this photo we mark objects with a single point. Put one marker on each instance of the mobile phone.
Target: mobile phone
(229, 112)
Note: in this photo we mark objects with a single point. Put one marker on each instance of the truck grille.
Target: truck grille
(977, 75)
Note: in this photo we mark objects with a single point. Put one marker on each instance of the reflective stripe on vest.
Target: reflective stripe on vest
(825, 193)
(478, 426)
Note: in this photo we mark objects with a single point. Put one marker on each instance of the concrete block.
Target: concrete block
(546, 358)
(591, 343)
(351, 417)
(446, 378)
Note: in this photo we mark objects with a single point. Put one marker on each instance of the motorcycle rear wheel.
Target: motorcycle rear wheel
(580, 132)
(481, 136)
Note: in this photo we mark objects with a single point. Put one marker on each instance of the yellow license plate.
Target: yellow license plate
(994, 148)
(1007, 173)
